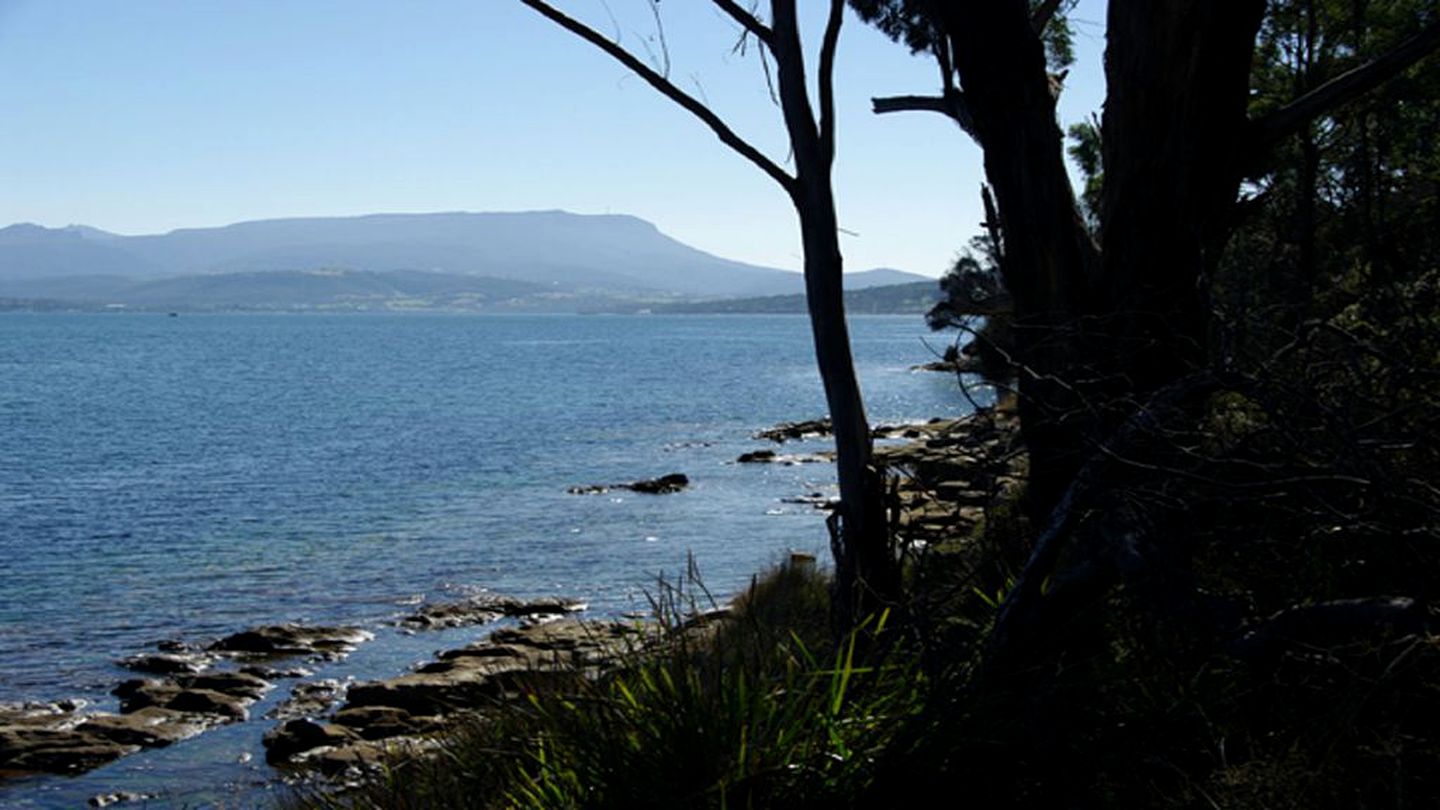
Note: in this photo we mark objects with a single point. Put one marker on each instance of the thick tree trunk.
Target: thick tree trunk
(1047, 252)
(1173, 132)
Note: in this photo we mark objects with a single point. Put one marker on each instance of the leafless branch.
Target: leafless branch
(660, 35)
(951, 104)
(669, 90)
(889, 104)
(769, 79)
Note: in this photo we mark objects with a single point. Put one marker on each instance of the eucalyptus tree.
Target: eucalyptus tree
(866, 571)
(1095, 326)
(1112, 322)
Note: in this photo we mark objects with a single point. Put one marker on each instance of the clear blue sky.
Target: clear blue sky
(140, 116)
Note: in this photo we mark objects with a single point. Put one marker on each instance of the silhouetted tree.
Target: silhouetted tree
(1175, 143)
(1112, 326)
(866, 571)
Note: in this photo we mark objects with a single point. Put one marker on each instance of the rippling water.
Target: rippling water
(185, 477)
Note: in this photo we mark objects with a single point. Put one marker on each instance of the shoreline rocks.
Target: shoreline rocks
(121, 797)
(788, 431)
(188, 698)
(309, 698)
(168, 663)
(483, 609)
(765, 456)
(63, 739)
(380, 715)
(952, 471)
(292, 640)
(188, 689)
(820, 428)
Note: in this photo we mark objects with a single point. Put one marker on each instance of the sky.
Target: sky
(142, 116)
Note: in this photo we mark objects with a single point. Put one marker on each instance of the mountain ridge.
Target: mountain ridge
(610, 255)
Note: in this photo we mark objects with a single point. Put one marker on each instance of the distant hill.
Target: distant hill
(274, 263)
(896, 299)
(612, 252)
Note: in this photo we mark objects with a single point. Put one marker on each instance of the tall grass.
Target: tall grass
(760, 709)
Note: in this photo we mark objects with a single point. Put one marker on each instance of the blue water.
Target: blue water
(187, 477)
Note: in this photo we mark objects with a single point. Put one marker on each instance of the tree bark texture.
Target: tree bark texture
(1173, 134)
(1047, 252)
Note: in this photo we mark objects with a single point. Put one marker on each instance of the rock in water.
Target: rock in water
(167, 663)
(664, 485)
(301, 734)
(287, 640)
(785, 431)
(308, 699)
(482, 609)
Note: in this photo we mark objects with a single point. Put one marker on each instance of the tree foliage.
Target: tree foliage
(1227, 355)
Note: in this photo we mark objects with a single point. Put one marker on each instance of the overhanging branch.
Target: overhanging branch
(669, 90)
(952, 105)
(1266, 131)
(889, 104)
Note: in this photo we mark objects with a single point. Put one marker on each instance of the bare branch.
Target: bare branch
(747, 20)
(660, 32)
(826, 79)
(669, 90)
(1266, 131)
(769, 80)
(794, 94)
(889, 104)
(951, 105)
(1043, 15)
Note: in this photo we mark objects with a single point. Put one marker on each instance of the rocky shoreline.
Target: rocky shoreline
(189, 689)
(379, 719)
(946, 471)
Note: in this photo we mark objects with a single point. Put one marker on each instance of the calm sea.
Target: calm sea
(187, 477)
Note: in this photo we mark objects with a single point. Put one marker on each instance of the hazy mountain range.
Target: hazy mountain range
(525, 261)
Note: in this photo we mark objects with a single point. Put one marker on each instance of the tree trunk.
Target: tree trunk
(866, 576)
(1047, 251)
(1173, 134)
